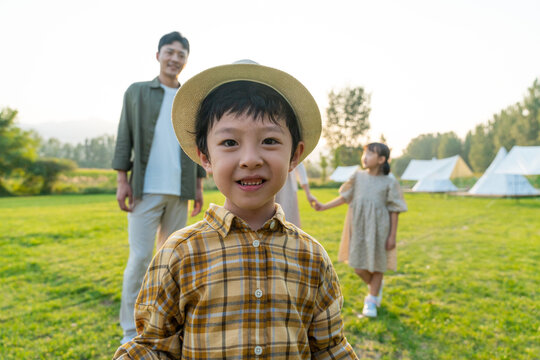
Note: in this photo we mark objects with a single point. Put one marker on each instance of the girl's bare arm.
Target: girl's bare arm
(331, 204)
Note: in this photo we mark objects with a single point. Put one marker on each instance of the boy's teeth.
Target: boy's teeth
(251, 183)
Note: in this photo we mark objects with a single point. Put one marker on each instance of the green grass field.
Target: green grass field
(467, 286)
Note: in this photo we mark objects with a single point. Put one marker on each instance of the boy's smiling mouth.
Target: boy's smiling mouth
(251, 182)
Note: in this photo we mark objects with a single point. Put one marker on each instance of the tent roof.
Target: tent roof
(493, 183)
(522, 160)
(343, 173)
(447, 168)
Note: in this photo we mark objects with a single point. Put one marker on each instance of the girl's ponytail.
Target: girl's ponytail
(385, 167)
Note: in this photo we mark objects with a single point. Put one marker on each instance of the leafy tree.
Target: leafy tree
(423, 147)
(466, 148)
(17, 147)
(449, 145)
(347, 117)
(502, 125)
(346, 156)
(482, 149)
(43, 173)
(398, 165)
(324, 165)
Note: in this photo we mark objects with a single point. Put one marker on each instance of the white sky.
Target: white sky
(431, 66)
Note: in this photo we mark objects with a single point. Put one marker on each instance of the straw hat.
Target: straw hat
(190, 95)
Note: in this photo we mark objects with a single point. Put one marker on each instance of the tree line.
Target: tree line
(348, 124)
(92, 153)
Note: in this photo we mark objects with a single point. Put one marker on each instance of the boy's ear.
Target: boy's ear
(205, 162)
(296, 156)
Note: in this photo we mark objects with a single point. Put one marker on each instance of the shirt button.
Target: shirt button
(256, 243)
(258, 350)
(273, 225)
(258, 293)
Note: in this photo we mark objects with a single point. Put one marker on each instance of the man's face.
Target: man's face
(172, 59)
(250, 160)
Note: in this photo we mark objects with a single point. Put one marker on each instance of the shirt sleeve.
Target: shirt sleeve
(124, 144)
(327, 339)
(347, 189)
(301, 174)
(201, 173)
(158, 317)
(395, 201)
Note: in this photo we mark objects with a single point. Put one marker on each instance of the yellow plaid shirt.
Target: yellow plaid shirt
(218, 290)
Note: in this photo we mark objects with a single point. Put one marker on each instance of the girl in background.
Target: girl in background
(369, 235)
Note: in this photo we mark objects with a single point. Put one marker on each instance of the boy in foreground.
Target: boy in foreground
(243, 282)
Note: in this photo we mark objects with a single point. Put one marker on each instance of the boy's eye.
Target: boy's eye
(228, 143)
(270, 141)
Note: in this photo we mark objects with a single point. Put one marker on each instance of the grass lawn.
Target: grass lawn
(467, 286)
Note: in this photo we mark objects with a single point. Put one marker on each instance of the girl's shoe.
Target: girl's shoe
(370, 306)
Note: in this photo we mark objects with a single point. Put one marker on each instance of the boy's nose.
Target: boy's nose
(250, 159)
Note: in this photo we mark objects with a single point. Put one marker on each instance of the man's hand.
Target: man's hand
(124, 191)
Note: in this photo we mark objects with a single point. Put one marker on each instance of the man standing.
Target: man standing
(162, 178)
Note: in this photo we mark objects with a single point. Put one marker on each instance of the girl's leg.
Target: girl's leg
(375, 283)
(364, 275)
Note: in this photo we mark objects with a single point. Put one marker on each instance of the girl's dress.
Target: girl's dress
(287, 197)
(367, 224)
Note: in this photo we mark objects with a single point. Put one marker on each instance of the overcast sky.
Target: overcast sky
(430, 66)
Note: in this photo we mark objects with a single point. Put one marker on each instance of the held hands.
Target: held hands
(318, 206)
(313, 201)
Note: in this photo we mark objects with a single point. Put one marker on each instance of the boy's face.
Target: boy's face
(172, 59)
(250, 160)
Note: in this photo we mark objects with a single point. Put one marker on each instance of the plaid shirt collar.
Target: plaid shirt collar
(222, 220)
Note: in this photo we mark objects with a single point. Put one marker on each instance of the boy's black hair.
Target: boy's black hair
(381, 150)
(244, 97)
(172, 37)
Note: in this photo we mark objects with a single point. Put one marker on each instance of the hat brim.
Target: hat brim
(190, 95)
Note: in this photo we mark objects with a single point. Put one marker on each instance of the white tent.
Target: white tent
(434, 185)
(494, 183)
(447, 168)
(434, 175)
(521, 160)
(343, 173)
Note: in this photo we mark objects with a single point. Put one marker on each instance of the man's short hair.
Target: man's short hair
(244, 97)
(172, 37)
